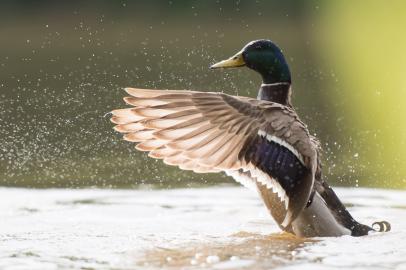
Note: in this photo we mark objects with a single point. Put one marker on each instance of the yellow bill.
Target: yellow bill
(235, 61)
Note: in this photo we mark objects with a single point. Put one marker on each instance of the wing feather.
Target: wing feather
(197, 141)
(210, 128)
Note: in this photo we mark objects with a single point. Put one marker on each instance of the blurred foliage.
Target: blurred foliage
(364, 44)
(63, 66)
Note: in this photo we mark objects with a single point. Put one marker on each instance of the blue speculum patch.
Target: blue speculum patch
(277, 161)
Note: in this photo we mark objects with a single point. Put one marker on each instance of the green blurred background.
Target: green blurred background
(63, 66)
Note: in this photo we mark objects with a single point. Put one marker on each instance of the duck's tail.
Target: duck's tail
(344, 217)
(381, 226)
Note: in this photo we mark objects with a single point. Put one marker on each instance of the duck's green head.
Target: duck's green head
(262, 56)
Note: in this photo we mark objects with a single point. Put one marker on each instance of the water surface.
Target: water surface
(196, 228)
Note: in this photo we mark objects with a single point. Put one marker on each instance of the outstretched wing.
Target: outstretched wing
(213, 132)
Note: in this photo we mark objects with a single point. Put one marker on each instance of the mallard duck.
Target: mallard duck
(261, 143)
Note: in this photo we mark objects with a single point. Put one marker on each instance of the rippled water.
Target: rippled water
(207, 228)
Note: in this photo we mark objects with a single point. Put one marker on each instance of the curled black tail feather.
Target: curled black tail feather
(381, 226)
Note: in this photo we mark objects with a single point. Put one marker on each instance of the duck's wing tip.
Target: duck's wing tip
(139, 92)
(152, 93)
